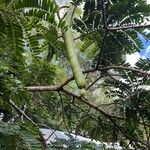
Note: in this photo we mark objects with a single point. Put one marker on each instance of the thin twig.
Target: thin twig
(87, 113)
(126, 68)
(30, 120)
(93, 82)
(22, 112)
(24, 109)
(103, 15)
(128, 27)
(54, 131)
(102, 50)
(63, 112)
(146, 132)
(108, 104)
(111, 29)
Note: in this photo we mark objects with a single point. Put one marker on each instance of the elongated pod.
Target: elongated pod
(70, 45)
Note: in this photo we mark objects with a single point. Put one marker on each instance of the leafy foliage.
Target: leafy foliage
(14, 136)
(33, 55)
(75, 144)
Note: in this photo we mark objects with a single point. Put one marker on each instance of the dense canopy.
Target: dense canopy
(63, 67)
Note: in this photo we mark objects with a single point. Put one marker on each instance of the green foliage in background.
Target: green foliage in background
(33, 53)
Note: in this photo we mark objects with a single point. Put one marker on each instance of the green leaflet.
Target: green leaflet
(75, 66)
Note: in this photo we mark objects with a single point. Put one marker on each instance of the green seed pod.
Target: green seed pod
(73, 59)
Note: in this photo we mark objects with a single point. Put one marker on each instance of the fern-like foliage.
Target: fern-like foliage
(131, 94)
(43, 9)
(89, 46)
(12, 137)
(19, 38)
(32, 52)
(117, 43)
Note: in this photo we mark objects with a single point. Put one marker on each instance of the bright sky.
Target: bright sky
(145, 52)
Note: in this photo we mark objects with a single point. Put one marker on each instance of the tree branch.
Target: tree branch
(30, 120)
(102, 50)
(128, 27)
(58, 87)
(110, 117)
(103, 15)
(43, 88)
(53, 132)
(63, 112)
(53, 87)
(116, 28)
(21, 112)
(94, 82)
(126, 68)
(88, 103)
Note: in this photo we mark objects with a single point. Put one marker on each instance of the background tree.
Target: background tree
(38, 88)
